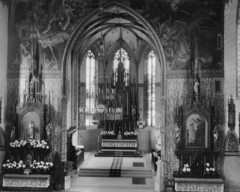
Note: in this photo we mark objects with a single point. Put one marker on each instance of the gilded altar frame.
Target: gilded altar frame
(196, 120)
(25, 114)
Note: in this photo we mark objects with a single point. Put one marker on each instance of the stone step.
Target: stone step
(119, 154)
(128, 173)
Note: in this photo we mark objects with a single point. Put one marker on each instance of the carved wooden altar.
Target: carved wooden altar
(196, 151)
(30, 143)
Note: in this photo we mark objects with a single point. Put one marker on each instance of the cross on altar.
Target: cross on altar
(140, 124)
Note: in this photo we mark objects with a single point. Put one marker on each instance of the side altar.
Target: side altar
(27, 166)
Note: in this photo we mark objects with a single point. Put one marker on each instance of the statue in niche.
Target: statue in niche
(30, 131)
(32, 86)
(177, 134)
(49, 131)
(215, 134)
(196, 85)
(13, 133)
(133, 110)
(121, 72)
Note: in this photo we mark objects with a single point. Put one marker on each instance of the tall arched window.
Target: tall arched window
(90, 85)
(151, 71)
(121, 56)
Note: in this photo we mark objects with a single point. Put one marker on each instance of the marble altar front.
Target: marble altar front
(26, 181)
(199, 184)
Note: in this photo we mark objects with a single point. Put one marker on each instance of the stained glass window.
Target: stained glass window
(90, 85)
(151, 72)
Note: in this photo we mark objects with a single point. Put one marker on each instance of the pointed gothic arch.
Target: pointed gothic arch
(88, 32)
(79, 32)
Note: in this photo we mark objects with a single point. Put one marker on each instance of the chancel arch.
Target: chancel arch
(114, 26)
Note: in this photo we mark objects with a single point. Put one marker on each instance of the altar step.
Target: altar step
(119, 154)
(127, 173)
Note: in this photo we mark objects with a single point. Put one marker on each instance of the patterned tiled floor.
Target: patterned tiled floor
(110, 184)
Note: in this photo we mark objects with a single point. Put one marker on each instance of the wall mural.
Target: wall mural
(49, 23)
(183, 26)
(190, 32)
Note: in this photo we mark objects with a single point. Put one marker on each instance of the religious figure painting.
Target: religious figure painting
(30, 126)
(30, 131)
(196, 131)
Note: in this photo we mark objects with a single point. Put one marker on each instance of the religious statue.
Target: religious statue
(177, 134)
(49, 131)
(121, 72)
(215, 134)
(196, 85)
(32, 87)
(13, 132)
(133, 110)
(30, 131)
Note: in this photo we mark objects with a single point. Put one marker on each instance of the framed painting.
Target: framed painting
(197, 131)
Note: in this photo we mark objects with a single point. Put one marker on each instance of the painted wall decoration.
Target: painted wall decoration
(190, 32)
(184, 26)
(197, 131)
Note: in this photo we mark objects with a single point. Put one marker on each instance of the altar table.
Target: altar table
(26, 181)
(199, 184)
(116, 144)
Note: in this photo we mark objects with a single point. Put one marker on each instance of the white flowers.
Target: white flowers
(107, 133)
(208, 168)
(35, 144)
(186, 168)
(41, 165)
(13, 165)
(17, 143)
(38, 144)
(135, 133)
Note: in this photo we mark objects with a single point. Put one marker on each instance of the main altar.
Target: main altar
(115, 111)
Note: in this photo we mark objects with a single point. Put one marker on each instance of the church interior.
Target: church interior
(123, 95)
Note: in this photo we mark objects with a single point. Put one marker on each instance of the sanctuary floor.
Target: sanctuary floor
(123, 183)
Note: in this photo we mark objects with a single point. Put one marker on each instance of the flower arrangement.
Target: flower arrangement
(110, 133)
(20, 143)
(132, 133)
(39, 144)
(209, 170)
(14, 166)
(41, 166)
(27, 171)
(186, 169)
